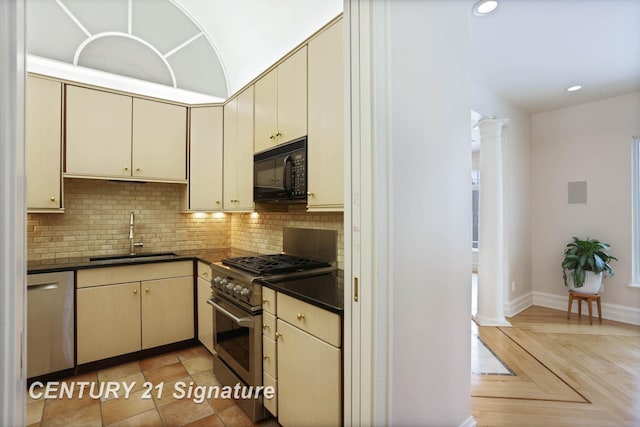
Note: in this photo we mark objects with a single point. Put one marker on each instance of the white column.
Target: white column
(492, 256)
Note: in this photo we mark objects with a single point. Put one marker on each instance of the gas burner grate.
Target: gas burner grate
(272, 264)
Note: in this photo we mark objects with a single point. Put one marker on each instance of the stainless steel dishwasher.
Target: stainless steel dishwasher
(50, 328)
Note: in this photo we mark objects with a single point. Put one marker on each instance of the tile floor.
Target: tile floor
(189, 365)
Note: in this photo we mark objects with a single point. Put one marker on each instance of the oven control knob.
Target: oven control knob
(237, 289)
(230, 287)
(223, 282)
(217, 279)
(245, 292)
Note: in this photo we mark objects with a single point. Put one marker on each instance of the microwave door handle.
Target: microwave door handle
(286, 181)
(245, 322)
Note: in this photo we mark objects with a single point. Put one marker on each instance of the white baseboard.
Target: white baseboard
(469, 422)
(515, 306)
(619, 313)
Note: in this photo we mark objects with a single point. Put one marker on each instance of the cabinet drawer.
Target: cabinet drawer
(204, 271)
(269, 325)
(133, 273)
(269, 357)
(314, 320)
(271, 404)
(269, 301)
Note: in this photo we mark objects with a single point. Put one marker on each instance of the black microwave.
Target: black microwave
(280, 173)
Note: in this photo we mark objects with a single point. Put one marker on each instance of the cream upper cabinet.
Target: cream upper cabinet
(238, 153)
(98, 133)
(281, 103)
(205, 159)
(266, 111)
(325, 144)
(159, 149)
(44, 144)
(116, 136)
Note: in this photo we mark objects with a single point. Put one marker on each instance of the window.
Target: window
(635, 187)
(475, 202)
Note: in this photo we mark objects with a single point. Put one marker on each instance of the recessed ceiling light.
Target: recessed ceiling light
(484, 7)
(574, 88)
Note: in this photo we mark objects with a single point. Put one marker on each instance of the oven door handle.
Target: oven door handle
(245, 322)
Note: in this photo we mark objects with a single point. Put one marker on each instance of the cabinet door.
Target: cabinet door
(98, 130)
(244, 152)
(309, 379)
(326, 121)
(205, 314)
(167, 311)
(266, 110)
(43, 135)
(292, 97)
(108, 321)
(205, 165)
(159, 141)
(230, 141)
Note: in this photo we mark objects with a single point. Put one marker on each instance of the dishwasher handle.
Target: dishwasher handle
(245, 322)
(43, 286)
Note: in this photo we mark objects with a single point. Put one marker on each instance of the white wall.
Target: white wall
(517, 151)
(12, 215)
(430, 220)
(589, 142)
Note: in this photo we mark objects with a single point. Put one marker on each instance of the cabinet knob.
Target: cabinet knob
(53, 199)
(265, 301)
(310, 194)
(138, 169)
(278, 335)
(135, 291)
(300, 316)
(265, 357)
(126, 168)
(205, 274)
(278, 134)
(271, 136)
(217, 202)
(147, 290)
(265, 326)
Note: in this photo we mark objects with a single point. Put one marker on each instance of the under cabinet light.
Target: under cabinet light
(484, 7)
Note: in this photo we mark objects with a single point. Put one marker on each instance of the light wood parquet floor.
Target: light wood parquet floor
(568, 373)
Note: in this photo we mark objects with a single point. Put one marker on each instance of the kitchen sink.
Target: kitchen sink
(120, 259)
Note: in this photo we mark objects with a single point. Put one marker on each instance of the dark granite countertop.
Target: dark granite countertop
(324, 290)
(65, 264)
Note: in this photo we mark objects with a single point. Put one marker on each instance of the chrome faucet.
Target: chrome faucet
(132, 246)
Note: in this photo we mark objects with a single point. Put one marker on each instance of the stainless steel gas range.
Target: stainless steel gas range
(237, 302)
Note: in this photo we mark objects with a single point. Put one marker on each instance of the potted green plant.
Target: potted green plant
(586, 261)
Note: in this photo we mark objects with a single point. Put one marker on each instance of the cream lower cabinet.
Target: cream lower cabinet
(108, 321)
(205, 311)
(44, 145)
(302, 359)
(325, 144)
(125, 309)
(269, 352)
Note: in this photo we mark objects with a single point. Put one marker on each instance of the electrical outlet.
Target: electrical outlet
(513, 286)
